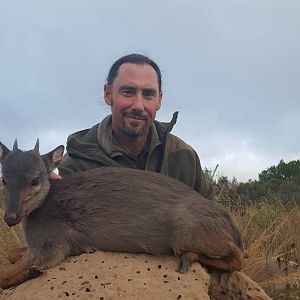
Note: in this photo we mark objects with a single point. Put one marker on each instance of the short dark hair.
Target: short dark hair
(138, 59)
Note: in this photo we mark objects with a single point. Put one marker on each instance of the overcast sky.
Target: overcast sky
(231, 69)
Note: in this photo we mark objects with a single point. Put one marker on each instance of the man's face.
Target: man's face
(134, 98)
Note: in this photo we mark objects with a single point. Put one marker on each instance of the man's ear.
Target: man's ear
(107, 94)
(53, 158)
(3, 151)
(159, 101)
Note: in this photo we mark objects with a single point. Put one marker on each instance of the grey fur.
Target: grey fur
(116, 209)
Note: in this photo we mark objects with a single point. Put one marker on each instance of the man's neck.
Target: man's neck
(132, 145)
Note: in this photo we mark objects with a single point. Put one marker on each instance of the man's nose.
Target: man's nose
(138, 102)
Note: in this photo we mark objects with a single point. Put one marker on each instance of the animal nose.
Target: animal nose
(11, 219)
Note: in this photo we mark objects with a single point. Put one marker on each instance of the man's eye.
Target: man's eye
(127, 92)
(35, 181)
(148, 94)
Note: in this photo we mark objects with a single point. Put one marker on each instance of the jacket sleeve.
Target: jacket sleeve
(67, 167)
(70, 165)
(202, 184)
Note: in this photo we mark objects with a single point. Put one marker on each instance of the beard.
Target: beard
(134, 129)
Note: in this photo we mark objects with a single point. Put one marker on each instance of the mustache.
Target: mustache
(134, 114)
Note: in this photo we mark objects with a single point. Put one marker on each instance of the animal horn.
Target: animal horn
(37, 146)
(15, 147)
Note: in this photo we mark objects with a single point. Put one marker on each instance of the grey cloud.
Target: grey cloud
(230, 67)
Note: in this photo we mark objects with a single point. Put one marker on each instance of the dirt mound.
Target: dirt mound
(108, 275)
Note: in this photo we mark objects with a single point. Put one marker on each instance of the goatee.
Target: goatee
(131, 130)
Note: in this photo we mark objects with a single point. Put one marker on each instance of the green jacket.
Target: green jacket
(164, 153)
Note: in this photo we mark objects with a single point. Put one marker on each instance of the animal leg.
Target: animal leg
(230, 263)
(186, 261)
(15, 254)
(19, 272)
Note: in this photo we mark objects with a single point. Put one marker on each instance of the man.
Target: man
(130, 136)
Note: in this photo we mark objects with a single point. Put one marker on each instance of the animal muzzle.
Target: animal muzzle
(12, 215)
(12, 219)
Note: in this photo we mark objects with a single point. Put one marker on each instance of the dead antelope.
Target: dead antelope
(109, 208)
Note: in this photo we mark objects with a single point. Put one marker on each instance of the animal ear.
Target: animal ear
(3, 151)
(53, 158)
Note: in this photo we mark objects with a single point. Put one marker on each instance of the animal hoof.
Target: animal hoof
(183, 266)
(35, 271)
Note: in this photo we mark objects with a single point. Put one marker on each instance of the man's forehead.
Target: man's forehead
(131, 74)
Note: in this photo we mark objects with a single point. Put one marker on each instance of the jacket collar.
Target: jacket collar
(96, 143)
(109, 144)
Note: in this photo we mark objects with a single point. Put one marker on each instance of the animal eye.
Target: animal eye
(35, 181)
(3, 181)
